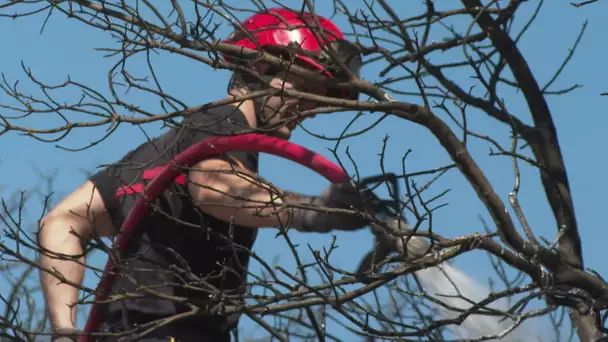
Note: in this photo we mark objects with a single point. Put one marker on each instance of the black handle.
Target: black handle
(389, 207)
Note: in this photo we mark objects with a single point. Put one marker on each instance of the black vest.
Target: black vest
(196, 257)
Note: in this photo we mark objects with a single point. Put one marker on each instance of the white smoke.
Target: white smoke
(450, 284)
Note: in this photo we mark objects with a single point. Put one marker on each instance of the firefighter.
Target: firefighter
(196, 244)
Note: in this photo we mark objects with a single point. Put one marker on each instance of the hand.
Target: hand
(67, 334)
(336, 196)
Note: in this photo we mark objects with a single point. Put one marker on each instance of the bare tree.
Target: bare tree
(535, 277)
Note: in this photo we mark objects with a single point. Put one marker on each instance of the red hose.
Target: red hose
(204, 149)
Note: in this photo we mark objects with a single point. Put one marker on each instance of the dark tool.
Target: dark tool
(389, 212)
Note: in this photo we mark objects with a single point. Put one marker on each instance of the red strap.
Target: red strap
(150, 174)
(129, 189)
(139, 187)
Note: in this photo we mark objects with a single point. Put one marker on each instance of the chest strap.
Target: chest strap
(138, 188)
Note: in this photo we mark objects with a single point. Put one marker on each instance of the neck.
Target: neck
(247, 107)
(252, 109)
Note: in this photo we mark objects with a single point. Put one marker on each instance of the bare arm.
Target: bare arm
(60, 234)
(231, 193)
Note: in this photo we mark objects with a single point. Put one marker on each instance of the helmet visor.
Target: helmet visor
(350, 55)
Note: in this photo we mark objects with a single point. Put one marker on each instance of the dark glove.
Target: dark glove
(66, 334)
(336, 196)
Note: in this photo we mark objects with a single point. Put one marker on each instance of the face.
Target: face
(278, 108)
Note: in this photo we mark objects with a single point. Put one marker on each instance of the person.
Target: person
(196, 244)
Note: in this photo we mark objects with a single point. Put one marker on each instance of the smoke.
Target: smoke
(451, 285)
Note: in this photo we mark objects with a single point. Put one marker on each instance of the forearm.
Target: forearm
(57, 240)
(237, 196)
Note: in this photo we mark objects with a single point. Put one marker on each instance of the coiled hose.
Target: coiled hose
(205, 149)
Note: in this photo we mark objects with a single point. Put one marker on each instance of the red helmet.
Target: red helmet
(270, 32)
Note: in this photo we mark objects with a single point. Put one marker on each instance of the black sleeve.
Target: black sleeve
(106, 183)
(222, 121)
(108, 180)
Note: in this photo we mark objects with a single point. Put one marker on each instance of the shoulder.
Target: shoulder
(84, 211)
(226, 119)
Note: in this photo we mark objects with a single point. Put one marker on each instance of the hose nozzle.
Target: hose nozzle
(394, 238)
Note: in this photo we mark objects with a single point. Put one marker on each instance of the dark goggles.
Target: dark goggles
(346, 53)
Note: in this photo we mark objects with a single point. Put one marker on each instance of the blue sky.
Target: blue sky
(67, 48)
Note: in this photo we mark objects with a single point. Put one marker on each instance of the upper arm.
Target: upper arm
(83, 212)
(212, 179)
(217, 182)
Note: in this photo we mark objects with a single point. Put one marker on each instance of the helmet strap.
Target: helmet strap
(239, 81)
(258, 107)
